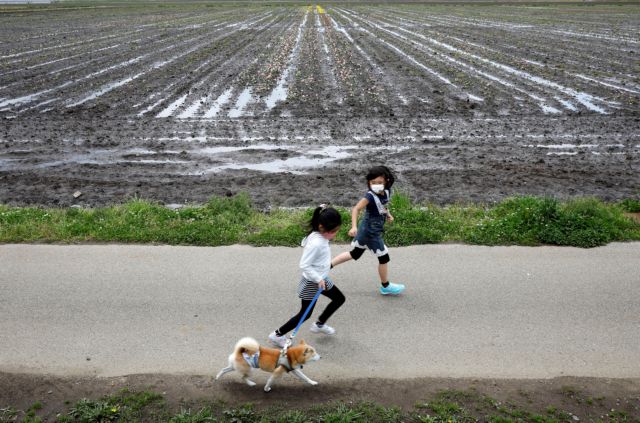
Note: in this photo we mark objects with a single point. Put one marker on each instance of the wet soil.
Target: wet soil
(443, 160)
(589, 399)
(173, 104)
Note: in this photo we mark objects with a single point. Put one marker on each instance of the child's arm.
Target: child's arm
(355, 211)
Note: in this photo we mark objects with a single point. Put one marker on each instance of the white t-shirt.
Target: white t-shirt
(316, 257)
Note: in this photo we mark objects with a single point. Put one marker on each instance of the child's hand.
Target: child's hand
(353, 232)
(322, 285)
(390, 218)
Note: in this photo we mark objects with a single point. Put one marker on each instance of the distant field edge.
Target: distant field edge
(62, 4)
(522, 220)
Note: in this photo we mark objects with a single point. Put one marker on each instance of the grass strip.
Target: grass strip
(529, 221)
(447, 406)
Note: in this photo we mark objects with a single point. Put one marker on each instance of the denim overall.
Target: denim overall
(370, 232)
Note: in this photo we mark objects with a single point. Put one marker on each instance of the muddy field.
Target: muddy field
(178, 103)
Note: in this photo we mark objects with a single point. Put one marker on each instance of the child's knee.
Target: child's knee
(356, 253)
(384, 259)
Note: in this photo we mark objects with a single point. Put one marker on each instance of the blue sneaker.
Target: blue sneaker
(392, 289)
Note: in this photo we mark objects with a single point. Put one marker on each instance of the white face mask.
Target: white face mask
(377, 188)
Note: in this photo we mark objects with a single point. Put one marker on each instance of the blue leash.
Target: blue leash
(315, 298)
(293, 334)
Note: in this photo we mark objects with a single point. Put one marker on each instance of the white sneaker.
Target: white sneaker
(326, 329)
(278, 341)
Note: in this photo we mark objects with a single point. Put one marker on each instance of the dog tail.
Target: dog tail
(248, 345)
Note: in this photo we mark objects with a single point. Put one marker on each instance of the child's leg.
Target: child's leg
(355, 254)
(387, 287)
(383, 271)
(341, 258)
(293, 322)
(337, 299)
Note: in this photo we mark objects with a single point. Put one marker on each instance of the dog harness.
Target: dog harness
(252, 360)
(284, 362)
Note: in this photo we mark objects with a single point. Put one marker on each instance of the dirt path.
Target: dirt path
(587, 398)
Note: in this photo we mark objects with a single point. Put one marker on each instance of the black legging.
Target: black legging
(337, 299)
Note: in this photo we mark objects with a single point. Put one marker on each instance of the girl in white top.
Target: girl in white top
(315, 264)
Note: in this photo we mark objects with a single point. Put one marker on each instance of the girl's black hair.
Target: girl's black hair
(328, 217)
(376, 171)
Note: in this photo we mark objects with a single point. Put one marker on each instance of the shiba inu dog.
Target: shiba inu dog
(248, 354)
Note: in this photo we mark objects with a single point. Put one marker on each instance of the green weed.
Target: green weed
(234, 220)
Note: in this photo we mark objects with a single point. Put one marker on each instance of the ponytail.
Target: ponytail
(326, 216)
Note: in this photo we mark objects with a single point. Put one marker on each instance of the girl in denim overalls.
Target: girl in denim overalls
(369, 233)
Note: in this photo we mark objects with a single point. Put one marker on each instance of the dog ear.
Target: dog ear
(302, 342)
(307, 350)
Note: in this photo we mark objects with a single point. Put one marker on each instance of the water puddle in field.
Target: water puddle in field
(561, 149)
(151, 107)
(191, 111)
(168, 111)
(223, 149)
(105, 89)
(567, 104)
(309, 159)
(218, 103)
(241, 103)
(97, 157)
(564, 146)
(607, 84)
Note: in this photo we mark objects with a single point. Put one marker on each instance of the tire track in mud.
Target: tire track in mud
(438, 82)
(101, 27)
(27, 98)
(310, 90)
(327, 63)
(148, 61)
(374, 79)
(218, 79)
(537, 42)
(507, 76)
(212, 74)
(533, 35)
(439, 70)
(531, 29)
(431, 54)
(280, 92)
(91, 47)
(242, 95)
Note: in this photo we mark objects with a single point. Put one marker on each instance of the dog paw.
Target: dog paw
(251, 383)
(313, 382)
(267, 389)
